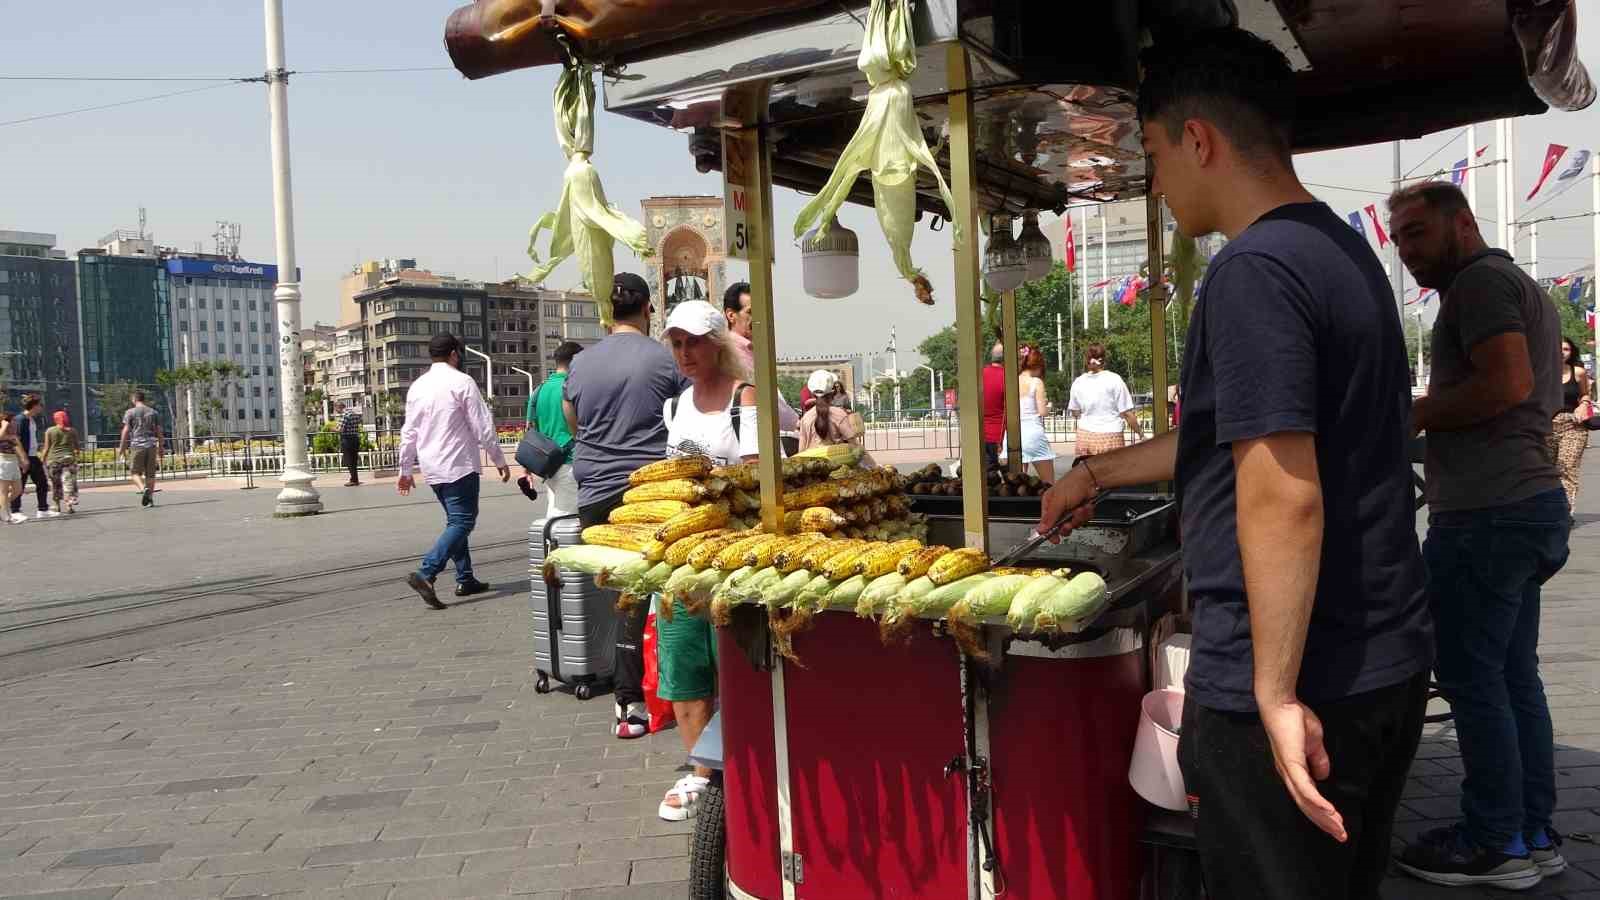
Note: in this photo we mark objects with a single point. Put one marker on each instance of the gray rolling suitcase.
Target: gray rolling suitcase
(574, 627)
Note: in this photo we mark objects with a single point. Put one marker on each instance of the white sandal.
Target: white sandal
(687, 790)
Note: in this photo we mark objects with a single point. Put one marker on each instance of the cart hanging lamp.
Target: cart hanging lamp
(888, 143)
(584, 223)
(1005, 264)
(1035, 246)
(830, 261)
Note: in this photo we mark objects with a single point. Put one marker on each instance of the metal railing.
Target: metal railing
(941, 430)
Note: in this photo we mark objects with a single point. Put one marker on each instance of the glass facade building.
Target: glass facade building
(39, 346)
(127, 333)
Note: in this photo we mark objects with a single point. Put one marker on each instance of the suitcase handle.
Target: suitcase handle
(550, 543)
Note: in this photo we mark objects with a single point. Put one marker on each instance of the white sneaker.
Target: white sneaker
(49, 514)
(18, 518)
(42, 514)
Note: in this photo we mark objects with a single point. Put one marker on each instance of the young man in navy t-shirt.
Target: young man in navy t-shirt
(1307, 684)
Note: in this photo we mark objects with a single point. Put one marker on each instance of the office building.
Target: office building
(1126, 245)
(40, 348)
(126, 328)
(223, 311)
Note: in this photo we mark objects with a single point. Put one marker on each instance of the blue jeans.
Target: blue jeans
(1485, 568)
(460, 501)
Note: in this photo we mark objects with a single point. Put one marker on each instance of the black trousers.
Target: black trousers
(627, 675)
(350, 446)
(41, 485)
(1255, 843)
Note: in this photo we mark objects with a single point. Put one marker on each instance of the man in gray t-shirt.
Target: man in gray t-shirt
(141, 434)
(1497, 530)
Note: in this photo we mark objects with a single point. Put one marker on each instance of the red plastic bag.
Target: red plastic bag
(660, 710)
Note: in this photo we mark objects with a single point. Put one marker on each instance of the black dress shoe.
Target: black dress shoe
(424, 589)
(468, 588)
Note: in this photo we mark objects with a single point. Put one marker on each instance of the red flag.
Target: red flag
(1072, 254)
(1383, 236)
(1552, 155)
(1130, 291)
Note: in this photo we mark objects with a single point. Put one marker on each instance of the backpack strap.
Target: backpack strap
(733, 406)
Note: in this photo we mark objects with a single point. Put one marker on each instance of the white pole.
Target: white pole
(489, 376)
(1511, 188)
(1061, 347)
(1396, 273)
(1594, 204)
(1105, 299)
(298, 497)
(1468, 181)
(894, 361)
(1533, 250)
(188, 395)
(1419, 342)
(1502, 217)
(1083, 266)
(529, 376)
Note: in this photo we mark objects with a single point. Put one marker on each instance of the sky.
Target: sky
(428, 165)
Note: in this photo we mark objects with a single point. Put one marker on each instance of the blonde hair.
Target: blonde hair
(730, 361)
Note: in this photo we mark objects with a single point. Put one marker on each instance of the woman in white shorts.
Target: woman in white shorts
(12, 464)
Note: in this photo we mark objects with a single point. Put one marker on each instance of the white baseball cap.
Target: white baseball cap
(696, 317)
(822, 381)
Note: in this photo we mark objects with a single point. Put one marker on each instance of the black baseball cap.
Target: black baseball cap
(631, 283)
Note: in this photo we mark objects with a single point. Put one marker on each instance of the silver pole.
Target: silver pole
(1105, 299)
(1469, 175)
(1396, 273)
(1511, 188)
(1083, 269)
(1502, 228)
(1594, 205)
(488, 365)
(1533, 250)
(298, 497)
(529, 376)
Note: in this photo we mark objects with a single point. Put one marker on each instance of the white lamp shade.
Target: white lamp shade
(1005, 277)
(1035, 247)
(830, 268)
(1005, 267)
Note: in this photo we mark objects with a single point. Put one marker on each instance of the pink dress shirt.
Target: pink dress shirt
(788, 419)
(447, 423)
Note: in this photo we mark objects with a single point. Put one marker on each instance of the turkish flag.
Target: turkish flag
(1552, 155)
(1072, 254)
(1130, 291)
(1377, 226)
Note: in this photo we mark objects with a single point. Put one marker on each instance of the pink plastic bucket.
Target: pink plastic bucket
(1153, 771)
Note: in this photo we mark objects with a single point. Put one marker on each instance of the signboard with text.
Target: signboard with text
(736, 195)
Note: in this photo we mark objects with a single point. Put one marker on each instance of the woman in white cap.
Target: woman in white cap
(827, 421)
(715, 417)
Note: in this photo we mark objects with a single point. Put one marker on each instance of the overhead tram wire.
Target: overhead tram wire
(1448, 141)
(129, 102)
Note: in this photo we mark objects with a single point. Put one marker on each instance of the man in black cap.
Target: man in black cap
(447, 425)
(613, 398)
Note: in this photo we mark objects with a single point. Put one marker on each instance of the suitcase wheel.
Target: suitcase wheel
(582, 691)
(542, 686)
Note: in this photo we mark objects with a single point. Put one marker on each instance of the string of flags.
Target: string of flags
(1459, 171)
(1377, 225)
(1572, 162)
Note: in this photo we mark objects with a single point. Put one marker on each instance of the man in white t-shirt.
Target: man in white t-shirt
(1101, 402)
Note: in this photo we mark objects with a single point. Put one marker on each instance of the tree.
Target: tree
(789, 388)
(115, 399)
(313, 403)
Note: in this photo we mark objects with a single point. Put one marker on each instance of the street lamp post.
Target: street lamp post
(527, 417)
(298, 497)
(931, 375)
(488, 377)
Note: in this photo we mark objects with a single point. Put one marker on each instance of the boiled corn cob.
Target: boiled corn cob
(782, 593)
(622, 537)
(847, 594)
(1077, 600)
(992, 598)
(815, 591)
(680, 578)
(678, 551)
(591, 559)
(879, 593)
(705, 517)
(885, 558)
(680, 489)
(652, 512)
(702, 555)
(671, 469)
(1027, 602)
(958, 565)
(916, 564)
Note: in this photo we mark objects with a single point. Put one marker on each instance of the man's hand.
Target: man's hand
(505, 472)
(1070, 491)
(1419, 415)
(404, 485)
(1298, 753)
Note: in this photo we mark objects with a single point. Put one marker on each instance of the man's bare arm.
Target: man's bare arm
(1502, 377)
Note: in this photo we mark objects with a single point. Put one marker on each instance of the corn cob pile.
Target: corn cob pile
(692, 532)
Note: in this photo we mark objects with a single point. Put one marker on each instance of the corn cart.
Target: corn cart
(912, 769)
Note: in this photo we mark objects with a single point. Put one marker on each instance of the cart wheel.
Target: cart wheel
(582, 691)
(708, 848)
(542, 686)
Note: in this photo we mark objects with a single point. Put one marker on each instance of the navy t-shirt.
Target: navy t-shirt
(1296, 330)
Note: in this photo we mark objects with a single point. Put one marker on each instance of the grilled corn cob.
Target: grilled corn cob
(813, 518)
(916, 564)
(731, 557)
(789, 557)
(957, 565)
(847, 563)
(669, 469)
(622, 537)
(652, 512)
(760, 553)
(885, 558)
(742, 475)
(837, 454)
(678, 551)
(823, 493)
(705, 517)
(819, 554)
(701, 556)
(654, 551)
(680, 489)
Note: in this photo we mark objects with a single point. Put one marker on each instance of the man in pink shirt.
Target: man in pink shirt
(736, 307)
(447, 424)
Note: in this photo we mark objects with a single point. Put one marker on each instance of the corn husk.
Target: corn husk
(1025, 605)
(1073, 602)
(584, 224)
(888, 143)
(877, 594)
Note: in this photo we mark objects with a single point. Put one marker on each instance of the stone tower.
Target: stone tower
(689, 263)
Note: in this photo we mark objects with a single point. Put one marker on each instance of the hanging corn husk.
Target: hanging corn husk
(584, 224)
(888, 143)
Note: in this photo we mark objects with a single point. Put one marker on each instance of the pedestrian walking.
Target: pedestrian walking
(994, 403)
(550, 419)
(30, 434)
(1307, 687)
(612, 400)
(350, 442)
(1036, 449)
(61, 446)
(714, 417)
(1101, 402)
(447, 425)
(13, 463)
(1498, 523)
(1569, 431)
(736, 309)
(141, 441)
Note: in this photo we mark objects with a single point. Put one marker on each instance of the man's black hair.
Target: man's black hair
(440, 346)
(630, 295)
(1441, 197)
(1229, 77)
(138, 396)
(731, 297)
(29, 402)
(567, 351)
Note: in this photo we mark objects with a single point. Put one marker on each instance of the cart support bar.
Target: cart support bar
(1008, 331)
(969, 319)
